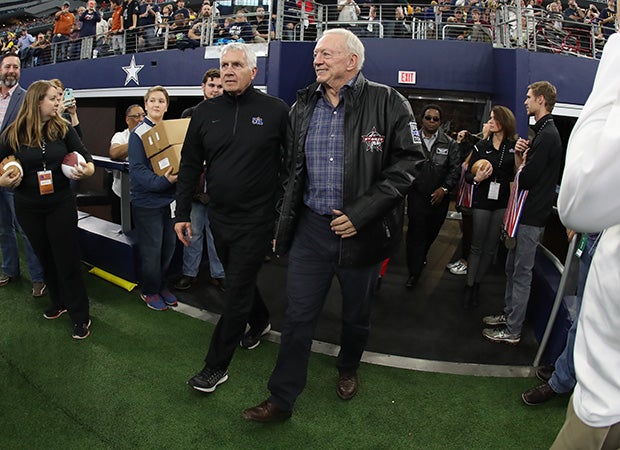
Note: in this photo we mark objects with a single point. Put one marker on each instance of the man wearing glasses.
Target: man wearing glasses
(118, 151)
(428, 200)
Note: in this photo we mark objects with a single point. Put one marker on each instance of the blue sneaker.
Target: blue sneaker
(154, 301)
(168, 297)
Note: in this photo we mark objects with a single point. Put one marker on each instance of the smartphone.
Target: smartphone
(67, 97)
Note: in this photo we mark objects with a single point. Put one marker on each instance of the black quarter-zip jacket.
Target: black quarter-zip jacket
(241, 138)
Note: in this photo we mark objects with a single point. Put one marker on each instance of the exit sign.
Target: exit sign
(406, 77)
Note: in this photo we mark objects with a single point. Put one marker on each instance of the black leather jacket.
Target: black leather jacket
(382, 157)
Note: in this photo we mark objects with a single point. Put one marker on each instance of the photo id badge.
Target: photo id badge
(493, 191)
(46, 183)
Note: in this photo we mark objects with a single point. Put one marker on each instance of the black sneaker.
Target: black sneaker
(251, 339)
(208, 379)
(81, 330)
(54, 313)
(184, 283)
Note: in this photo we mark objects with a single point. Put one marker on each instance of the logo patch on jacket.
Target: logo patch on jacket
(442, 151)
(373, 141)
(415, 134)
(257, 120)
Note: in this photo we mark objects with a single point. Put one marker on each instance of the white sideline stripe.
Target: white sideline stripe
(381, 359)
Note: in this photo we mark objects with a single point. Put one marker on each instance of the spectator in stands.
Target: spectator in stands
(75, 44)
(40, 50)
(491, 189)
(119, 146)
(402, 26)
(262, 26)
(478, 30)
(89, 19)
(47, 210)
(373, 27)
(151, 196)
(349, 13)
(63, 24)
(11, 98)
(147, 13)
(607, 19)
(23, 44)
(131, 10)
(456, 25)
(181, 9)
(573, 12)
(199, 216)
(199, 30)
(240, 29)
(428, 200)
(116, 27)
(531, 204)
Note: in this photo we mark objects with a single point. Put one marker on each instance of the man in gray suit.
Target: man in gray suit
(11, 98)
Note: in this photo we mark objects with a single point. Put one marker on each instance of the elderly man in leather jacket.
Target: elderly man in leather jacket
(353, 152)
(428, 199)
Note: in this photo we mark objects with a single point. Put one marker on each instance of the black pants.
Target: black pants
(425, 221)
(241, 250)
(53, 233)
(312, 265)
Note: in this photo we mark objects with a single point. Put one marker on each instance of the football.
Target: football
(480, 164)
(11, 164)
(69, 162)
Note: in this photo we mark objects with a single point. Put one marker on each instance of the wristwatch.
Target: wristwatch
(445, 190)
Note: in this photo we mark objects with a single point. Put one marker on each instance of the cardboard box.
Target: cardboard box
(163, 135)
(169, 157)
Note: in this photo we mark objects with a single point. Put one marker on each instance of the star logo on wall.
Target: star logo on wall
(132, 71)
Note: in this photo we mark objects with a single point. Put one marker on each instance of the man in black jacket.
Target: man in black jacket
(538, 175)
(428, 200)
(240, 136)
(353, 152)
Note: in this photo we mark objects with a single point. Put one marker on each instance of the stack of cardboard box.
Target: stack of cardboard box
(163, 144)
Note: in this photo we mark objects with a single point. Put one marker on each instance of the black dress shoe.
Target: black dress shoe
(537, 395)
(411, 282)
(265, 412)
(544, 373)
(347, 386)
(219, 283)
(184, 283)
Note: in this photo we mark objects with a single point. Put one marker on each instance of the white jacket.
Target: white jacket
(589, 201)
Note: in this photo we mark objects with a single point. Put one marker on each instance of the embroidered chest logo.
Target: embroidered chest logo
(373, 140)
(257, 120)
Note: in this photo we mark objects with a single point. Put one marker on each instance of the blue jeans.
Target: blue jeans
(8, 241)
(192, 254)
(312, 266)
(563, 378)
(519, 265)
(157, 240)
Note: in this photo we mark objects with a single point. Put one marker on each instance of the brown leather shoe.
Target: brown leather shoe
(347, 386)
(267, 411)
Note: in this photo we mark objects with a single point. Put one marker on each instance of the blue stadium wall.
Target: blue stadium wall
(503, 74)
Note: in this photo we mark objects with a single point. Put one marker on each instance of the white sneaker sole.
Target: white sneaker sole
(211, 389)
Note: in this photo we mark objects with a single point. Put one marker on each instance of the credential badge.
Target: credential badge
(415, 134)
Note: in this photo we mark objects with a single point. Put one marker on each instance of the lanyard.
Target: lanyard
(43, 146)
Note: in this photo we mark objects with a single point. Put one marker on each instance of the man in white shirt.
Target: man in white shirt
(591, 173)
(118, 151)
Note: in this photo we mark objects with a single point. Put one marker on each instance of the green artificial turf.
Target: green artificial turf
(125, 387)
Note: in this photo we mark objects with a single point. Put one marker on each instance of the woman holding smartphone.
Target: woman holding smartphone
(44, 203)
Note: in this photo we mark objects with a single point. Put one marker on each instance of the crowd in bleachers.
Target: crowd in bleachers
(143, 25)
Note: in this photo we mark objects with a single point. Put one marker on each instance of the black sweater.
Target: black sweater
(502, 173)
(31, 159)
(241, 138)
(541, 172)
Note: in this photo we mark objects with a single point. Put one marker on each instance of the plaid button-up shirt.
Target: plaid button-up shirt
(325, 154)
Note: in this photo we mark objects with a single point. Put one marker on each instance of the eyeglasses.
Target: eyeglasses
(137, 116)
(434, 119)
